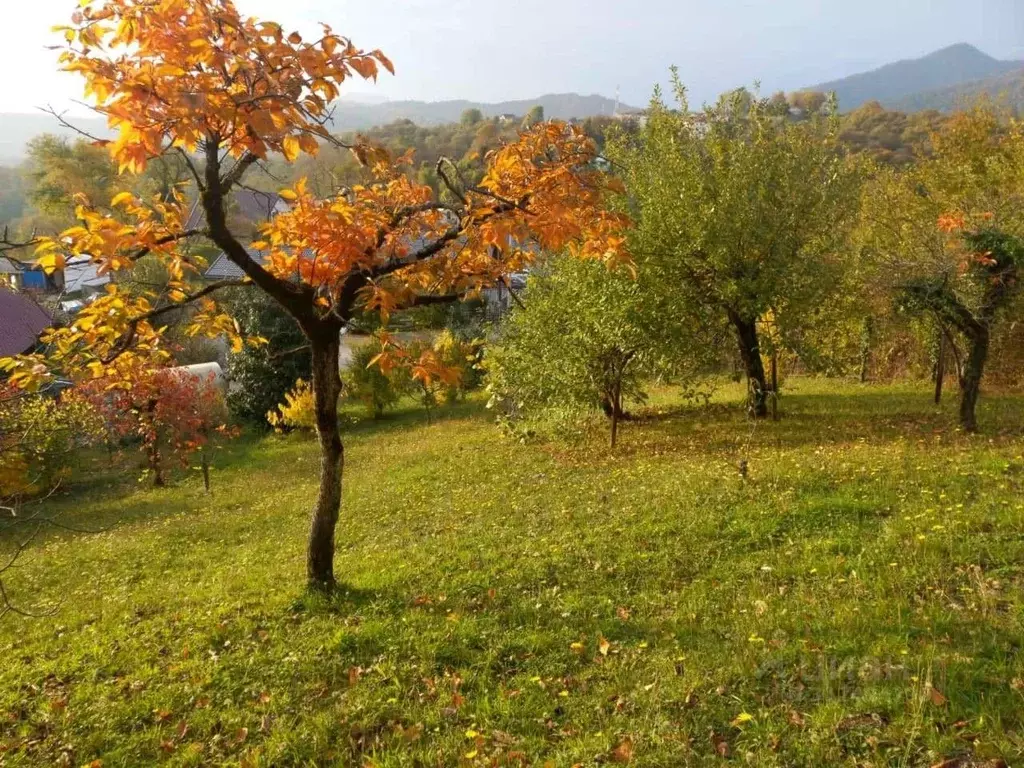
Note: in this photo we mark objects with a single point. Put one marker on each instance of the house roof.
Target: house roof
(225, 269)
(82, 272)
(252, 205)
(21, 322)
(9, 266)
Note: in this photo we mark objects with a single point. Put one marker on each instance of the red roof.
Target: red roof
(21, 322)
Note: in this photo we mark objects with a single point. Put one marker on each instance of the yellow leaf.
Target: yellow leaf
(290, 148)
(288, 194)
(121, 198)
(603, 646)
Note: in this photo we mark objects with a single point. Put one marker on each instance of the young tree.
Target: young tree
(946, 236)
(197, 77)
(172, 413)
(738, 210)
(586, 340)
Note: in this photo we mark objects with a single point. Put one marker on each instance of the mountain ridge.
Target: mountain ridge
(17, 129)
(890, 84)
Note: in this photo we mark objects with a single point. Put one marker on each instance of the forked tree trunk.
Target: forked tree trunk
(970, 379)
(750, 354)
(326, 391)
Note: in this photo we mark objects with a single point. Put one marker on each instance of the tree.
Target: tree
(534, 116)
(171, 412)
(471, 116)
(586, 340)
(947, 237)
(196, 77)
(739, 211)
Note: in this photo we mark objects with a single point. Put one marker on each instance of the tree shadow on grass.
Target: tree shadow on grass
(812, 418)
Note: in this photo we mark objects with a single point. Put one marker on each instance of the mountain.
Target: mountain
(17, 129)
(938, 71)
(357, 114)
(350, 116)
(1007, 89)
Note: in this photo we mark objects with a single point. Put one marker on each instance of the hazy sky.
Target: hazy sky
(491, 51)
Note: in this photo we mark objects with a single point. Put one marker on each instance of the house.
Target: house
(247, 210)
(224, 268)
(10, 273)
(508, 117)
(21, 322)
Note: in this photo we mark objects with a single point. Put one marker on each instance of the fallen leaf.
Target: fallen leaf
(622, 612)
(721, 745)
(603, 646)
(937, 697)
(623, 753)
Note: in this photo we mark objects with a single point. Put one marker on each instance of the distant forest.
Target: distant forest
(39, 194)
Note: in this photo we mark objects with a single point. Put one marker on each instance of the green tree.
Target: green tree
(947, 237)
(534, 116)
(585, 340)
(58, 170)
(471, 116)
(739, 211)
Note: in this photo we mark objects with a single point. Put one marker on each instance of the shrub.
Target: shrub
(296, 411)
(170, 413)
(367, 384)
(261, 375)
(38, 437)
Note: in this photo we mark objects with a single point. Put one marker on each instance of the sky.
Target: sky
(490, 51)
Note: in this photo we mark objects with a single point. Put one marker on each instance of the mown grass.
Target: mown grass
(856, 600)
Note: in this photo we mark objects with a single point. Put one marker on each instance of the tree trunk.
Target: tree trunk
(867, 334)
(970, 379)
(616, 411)
(940, 368)
(326, 391)
(206, 471)
(750, 354)
(775, 386)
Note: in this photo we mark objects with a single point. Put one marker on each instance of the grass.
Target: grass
(856, 600)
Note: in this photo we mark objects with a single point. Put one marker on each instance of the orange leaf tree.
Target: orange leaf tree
(196, 78)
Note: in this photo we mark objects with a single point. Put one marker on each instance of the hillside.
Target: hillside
(17, 129)
(892, 84)
(856, 600)
(1006, 88)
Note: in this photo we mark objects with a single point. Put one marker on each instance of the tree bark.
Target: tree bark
(775, 386)
(616, 411)
(326, 391)
(867, 334)
(970, 379)
(750, 354)
(940, 367)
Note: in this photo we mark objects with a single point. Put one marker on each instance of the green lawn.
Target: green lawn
(857, 600)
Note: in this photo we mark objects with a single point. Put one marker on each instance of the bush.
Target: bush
(170, 413)
(38, 437)
(261, 375)
(367, 384)
(296, 411)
